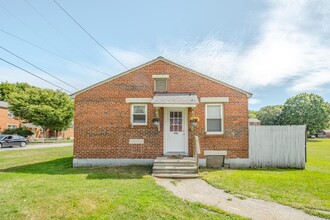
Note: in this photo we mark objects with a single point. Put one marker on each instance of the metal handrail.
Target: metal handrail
(196, 150)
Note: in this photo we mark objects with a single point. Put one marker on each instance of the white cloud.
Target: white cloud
(291, 48)
(254, 101)
(15, 75)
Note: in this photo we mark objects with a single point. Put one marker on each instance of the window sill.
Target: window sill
(139, 124)
(214, 133)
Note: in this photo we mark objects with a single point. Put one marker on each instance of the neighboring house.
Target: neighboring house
(254, 121)
(113, 118)
(38, 132)
(324, 133)
(7, 119)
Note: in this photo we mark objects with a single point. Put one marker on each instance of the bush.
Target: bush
(22, 131)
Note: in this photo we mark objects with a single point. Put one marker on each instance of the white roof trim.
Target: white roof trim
(165, 60)
(214, 99)
(160, 76)
(175, 105)
(138, 100)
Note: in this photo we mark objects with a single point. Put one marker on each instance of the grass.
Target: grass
(40, 184)
(51, 142)
(307, 189)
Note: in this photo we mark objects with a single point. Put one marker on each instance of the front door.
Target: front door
(176, 132)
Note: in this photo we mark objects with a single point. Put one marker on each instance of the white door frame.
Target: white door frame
(185, 128)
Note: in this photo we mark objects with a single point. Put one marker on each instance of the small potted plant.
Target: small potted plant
(194, 120)
(155, 121)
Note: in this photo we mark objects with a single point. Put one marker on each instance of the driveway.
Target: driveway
(197, 190)
(37, 146)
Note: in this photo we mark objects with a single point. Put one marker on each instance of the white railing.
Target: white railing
(196, 150)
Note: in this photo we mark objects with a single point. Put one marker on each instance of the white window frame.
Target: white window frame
(10, 114)
(222, 119)
(146, 113)
(155, 79)
(11, 125)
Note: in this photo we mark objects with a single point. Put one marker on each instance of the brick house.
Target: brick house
(254, 121)
(114, 118)
(7, 119)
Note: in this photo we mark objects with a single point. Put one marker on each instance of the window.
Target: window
(12, 126)
(214, 119)
(10, 114)
(139, 114)
(160, 85)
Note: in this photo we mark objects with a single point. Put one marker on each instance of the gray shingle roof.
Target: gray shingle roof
(254, 120)
(3, 104)
(175, 98)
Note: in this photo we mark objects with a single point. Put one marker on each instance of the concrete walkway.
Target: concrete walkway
(37, 146)
(197, 190)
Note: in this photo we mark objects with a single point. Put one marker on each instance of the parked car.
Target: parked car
(13, 140)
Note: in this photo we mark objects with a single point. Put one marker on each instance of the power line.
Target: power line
(56, 29)
(53, 53)
(33, 74)
(38, 68)
(29, 27)
(88, 33)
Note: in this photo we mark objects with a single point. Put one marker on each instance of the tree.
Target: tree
(7, 88)
(253, 113)
(270, 115)
(22, 131)
(308, 109)
(44, 107)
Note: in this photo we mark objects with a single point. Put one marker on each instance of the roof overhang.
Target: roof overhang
(248, 94)
(185, 100)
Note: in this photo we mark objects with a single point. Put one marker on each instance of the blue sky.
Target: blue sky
(274, 49)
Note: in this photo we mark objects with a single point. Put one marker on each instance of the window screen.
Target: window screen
(214, 118)
(160, 85)
(139, 114)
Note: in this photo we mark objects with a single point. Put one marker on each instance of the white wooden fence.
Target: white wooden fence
(277, 146)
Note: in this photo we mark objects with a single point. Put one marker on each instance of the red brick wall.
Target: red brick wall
(5, 120)
(102, 117)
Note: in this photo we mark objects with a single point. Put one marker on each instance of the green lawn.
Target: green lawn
(40, 184)
(307, 189)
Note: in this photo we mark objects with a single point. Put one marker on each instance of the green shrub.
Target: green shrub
(22, 131)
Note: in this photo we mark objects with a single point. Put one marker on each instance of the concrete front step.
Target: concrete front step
(168, 167)
(176, 176)
(169, 160)
(174, 172)
(178, 170)
(194, 167)
(174, 164)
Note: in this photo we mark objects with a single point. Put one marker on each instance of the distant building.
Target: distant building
(7, 119)
(254, 121)
(324, 133)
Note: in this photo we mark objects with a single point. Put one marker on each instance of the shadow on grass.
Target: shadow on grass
(269, 169)
(313, 140)
(63, 166)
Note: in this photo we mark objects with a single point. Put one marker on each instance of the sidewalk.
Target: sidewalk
(197, 190)
(37, 146)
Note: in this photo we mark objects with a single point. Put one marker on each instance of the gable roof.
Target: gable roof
(254, 120)
(248, 94)
(4, 104)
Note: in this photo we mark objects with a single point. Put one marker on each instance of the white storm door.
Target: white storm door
(176, 130)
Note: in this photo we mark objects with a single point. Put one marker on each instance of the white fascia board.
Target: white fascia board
(215, 152)
(214, 99)
(160, 76)
(138, 100)
(176, 105)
